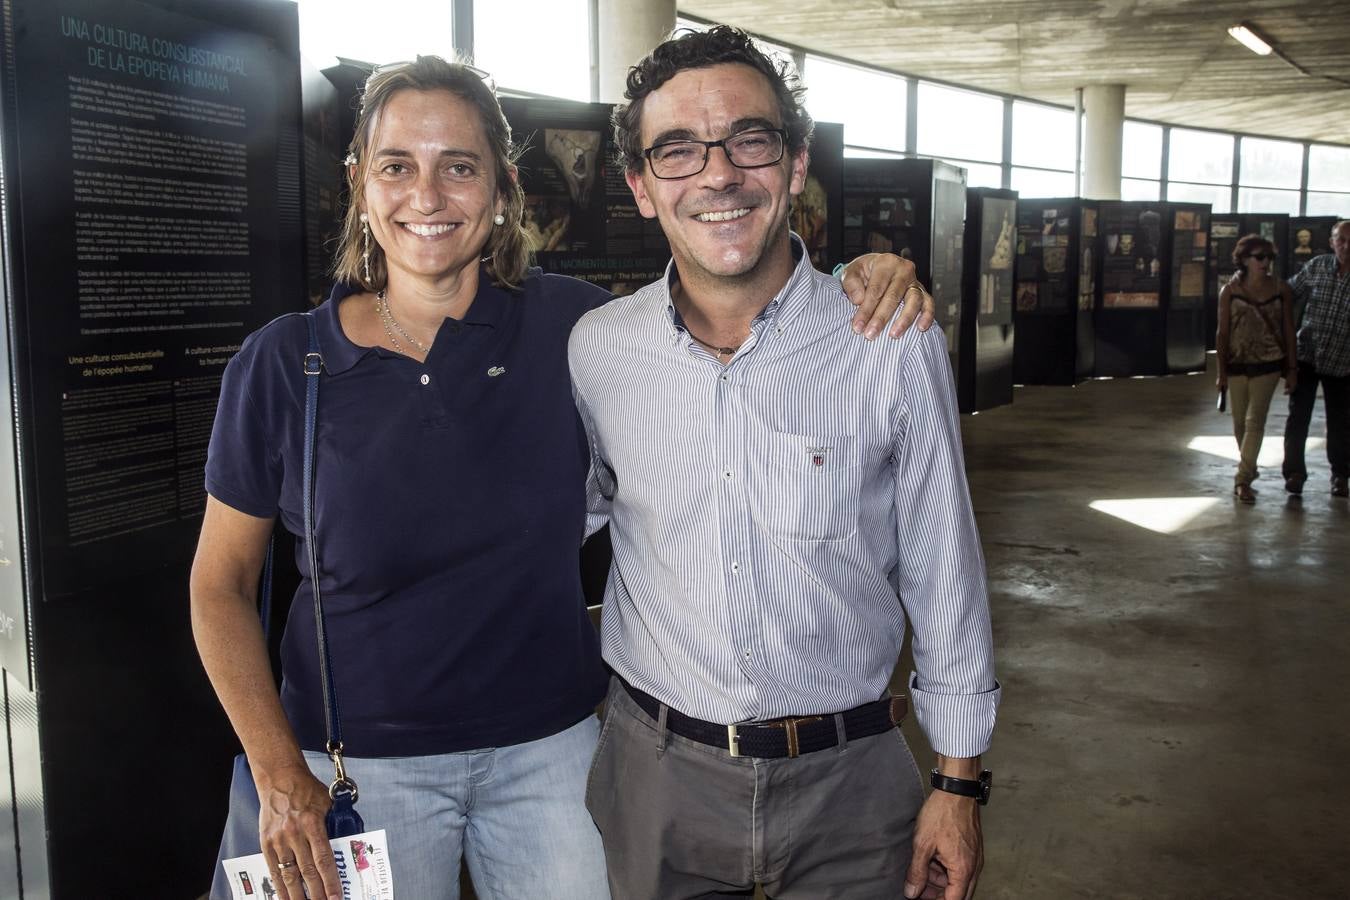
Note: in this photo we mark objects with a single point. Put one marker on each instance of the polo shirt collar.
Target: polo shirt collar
(340, 354)
(788, 300)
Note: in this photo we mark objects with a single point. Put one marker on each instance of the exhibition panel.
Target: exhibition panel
(985, 342)
(915, 208)
(152, 179)
(1056, 275)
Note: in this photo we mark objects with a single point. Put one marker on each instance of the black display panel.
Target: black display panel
(985, 352)
(1045, 282)
(998, 215)
(1055, 290)
(1190, 255)
(817, 213)
(1132, 255)
(1188, 285)
(915, 208)
(155, 221)
(579, 211)
(1309, 236)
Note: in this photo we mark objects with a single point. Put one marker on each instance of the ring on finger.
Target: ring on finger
(285, 865)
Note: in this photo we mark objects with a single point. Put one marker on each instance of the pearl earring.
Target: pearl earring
(499, 219)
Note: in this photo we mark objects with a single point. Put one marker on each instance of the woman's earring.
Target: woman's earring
(499, 219)
(365, 246)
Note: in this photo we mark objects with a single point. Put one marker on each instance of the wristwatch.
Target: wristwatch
(966, 787)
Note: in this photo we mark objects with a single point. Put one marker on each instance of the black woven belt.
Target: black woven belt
(778, 738)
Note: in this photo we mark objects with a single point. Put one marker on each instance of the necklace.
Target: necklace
(718, 352)
(391, 325)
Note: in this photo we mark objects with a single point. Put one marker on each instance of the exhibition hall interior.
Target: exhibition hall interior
(1071, 180)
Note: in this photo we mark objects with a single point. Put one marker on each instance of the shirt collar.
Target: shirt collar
(340, 354)
(792, 296)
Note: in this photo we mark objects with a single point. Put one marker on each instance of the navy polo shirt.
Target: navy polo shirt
(450, 508)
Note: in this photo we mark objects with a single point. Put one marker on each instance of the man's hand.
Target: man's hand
(295, 836)
(948, 849)
(878, 284)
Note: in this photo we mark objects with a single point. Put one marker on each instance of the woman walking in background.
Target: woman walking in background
(1255, 345)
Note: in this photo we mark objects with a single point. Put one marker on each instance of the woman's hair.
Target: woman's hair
(508, 249)
(1245, 247)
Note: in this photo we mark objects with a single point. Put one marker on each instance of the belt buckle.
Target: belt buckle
(733, 741)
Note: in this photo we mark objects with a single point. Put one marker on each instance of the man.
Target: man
(781, 496)
(1322, 290)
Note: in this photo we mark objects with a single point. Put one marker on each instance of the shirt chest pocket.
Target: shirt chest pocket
(806, 487)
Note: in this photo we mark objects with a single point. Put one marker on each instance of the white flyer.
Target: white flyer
(362, 864)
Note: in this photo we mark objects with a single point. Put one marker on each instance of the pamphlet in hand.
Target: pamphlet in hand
(362, 864)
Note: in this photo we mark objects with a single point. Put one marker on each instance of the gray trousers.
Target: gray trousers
(682, 820)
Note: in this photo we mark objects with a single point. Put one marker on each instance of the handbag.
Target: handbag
(241, 833)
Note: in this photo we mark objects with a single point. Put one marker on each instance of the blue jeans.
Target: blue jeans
(516, 814)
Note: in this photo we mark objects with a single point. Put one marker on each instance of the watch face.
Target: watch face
(986, 786)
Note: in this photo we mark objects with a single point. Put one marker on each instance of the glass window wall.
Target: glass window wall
(1267, 200)
(1140, 189)
(1324, 203)
(1042, 183)
(1274, 164)
(326, 31)
(1141, 151)
(870, 104)
(541, 47)
(959, 124)
(1328, 168)
(1219, 196)
(1042, 136)
(1204, 156)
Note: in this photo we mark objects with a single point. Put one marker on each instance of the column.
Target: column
(1104, 124)
(627, 31)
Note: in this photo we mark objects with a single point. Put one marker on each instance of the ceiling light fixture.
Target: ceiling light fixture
(1248, 37)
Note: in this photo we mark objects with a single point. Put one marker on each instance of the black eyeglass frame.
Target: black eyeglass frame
(707, 151)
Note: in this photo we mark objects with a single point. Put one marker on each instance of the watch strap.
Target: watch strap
(979, 788)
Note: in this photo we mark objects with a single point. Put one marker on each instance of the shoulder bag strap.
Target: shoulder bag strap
(342, 784)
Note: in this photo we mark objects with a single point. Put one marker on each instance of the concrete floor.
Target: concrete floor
(1173, 724)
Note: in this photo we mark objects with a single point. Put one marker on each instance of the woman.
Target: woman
(450, 469)
(1255, 344)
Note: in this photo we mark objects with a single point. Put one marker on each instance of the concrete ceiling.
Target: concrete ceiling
(1175, 57)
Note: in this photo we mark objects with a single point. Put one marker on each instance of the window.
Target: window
(538, 46)
(1141, 152)
(1139, 189)
(959, 124)
(1200, 156)
(1267, 200)
(1276, 164)
(979, 174)
(1322, 203)
(870, 104)
(1042, 183)
(326, 30)
(1328, 169)
(1218, 196)
(1042, 137)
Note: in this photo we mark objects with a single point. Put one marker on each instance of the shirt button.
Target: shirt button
(426, 379)
(726, 377)
(735, 567)
(726, 474)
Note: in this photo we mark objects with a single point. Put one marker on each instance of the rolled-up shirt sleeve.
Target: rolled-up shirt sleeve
(940, 574)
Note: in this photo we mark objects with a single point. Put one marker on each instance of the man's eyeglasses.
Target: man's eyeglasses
(746, 150)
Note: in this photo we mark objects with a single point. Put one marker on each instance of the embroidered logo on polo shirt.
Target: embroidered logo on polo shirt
(818, 455)
(496, 370)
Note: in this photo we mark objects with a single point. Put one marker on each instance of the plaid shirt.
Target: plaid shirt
(1324, 335)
